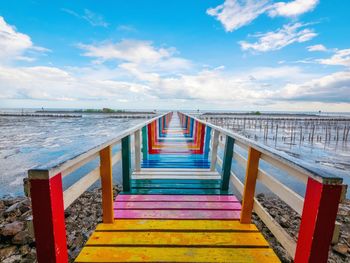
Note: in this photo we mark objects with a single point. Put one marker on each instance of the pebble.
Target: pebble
(12, 229)
(341, 249)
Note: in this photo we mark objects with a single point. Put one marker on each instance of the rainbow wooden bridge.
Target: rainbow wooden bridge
(178, 202)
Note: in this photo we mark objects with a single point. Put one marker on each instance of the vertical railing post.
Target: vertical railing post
(126, 163)
(144, 143)
(137, 151)
(107, 184)
(227, 162)
(249, 185)
(317, 222)
(48, 217)
(207, 141)
(214, 150)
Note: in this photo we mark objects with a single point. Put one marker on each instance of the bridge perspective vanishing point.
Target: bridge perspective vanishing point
(178, 202)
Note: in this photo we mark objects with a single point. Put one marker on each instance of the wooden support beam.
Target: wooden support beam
(107, 184)
(249, 185)
(137, 150)
(48, 219)
(126, 163)
(317, 222)
(214, 150)
(227, 163)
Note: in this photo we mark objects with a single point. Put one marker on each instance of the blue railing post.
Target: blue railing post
(207, 141)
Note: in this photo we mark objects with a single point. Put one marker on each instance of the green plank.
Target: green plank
(126, 163)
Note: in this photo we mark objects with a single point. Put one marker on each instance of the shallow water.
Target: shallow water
(332, 156)
(26, 142)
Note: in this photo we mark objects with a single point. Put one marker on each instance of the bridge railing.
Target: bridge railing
(49, 200)
(318, 208)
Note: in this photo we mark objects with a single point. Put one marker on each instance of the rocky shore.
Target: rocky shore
(16, 241)
(17, 244)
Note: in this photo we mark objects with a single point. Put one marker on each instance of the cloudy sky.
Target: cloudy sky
(185, 54)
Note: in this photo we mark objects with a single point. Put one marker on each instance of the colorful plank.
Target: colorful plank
(178, 205)
(177, 198)
(176, 214)
(173, 239)
(179, 225)
(176, 254)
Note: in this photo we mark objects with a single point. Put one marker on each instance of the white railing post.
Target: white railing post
(214, 149)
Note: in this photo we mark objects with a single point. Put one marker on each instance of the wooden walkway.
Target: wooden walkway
(177, 203)
(175, 210)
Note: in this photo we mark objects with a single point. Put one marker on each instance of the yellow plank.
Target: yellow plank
(198, 225)
(144, 238)
(161, 254)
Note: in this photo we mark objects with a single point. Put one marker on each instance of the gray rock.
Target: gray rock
(22, 238)
(12, 228)
(7, 251)
(341, 249)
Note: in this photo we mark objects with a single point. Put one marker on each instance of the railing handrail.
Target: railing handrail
(320, 175)
(45, 171)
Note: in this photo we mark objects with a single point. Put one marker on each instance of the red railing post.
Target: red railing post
(48, 218)
(317, 222)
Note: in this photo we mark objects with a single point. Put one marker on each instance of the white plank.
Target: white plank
(237, 183)
(279, 233)
(137, 150)
(78, 188)
(294, 200)
(79, 164)
(116, 158)
(289, 169)
(199, 177)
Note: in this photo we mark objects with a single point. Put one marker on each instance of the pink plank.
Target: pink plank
(178, 198)
(179, 205)
(176, 214)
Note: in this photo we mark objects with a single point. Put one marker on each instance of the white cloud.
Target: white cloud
(317, 48)
(127, 50)
(94, 19)
(292, 8)
(234, 14)
(13, 44)
(340, 58)
(55, 84)
(137, 54)
(334, 88)
(275, 40)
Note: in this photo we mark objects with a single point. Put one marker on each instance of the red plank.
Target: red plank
(317, 222)
(179, 205)
(176, 214)
(174, 198)
(48, 219)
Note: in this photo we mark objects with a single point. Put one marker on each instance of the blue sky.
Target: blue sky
(225, 54)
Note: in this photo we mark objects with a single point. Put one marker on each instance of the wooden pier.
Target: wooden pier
(178, 202)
